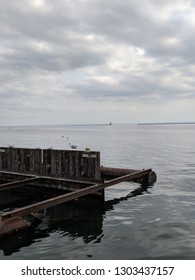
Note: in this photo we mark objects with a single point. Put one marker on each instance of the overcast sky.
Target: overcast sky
(95, 61)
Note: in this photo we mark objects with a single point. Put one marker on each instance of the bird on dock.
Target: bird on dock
(73, 147)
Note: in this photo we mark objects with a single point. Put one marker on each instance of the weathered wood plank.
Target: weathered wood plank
(9, 157)
(77, 165)
(27, 160)
(53, 161)
(2, 151)
(38, 161)
(4, 159)
(63, 163)
(32, 160)
(69, 164)
(17, 163)
(97, 166)
(22, 167)
(14, 159)
(58, 163)
(66, 164)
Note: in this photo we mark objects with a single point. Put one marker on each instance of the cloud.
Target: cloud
(57, 55)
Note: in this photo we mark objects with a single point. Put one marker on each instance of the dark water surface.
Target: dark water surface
(157, 223)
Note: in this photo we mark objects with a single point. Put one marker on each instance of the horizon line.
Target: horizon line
(102, 124)
(165, 123)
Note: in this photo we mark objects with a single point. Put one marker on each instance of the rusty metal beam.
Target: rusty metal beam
(71, 196)
(15, 184)
(51, 178)
(113, 172)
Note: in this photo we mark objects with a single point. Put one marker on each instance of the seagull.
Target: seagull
(72, 146)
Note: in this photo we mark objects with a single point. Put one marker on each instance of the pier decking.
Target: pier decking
(78, 173)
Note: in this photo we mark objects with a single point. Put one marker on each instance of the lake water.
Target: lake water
(158, 223)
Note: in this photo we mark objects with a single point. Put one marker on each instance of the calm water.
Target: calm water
(158, 223)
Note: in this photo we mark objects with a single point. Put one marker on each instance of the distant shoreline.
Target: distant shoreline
(95, 124)
(166, 123)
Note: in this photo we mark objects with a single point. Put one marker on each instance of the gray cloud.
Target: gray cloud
(85, 51)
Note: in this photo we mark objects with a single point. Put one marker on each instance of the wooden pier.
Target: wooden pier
(77, 173)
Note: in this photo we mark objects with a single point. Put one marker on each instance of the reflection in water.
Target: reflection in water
(139, 191)
(82, 218)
